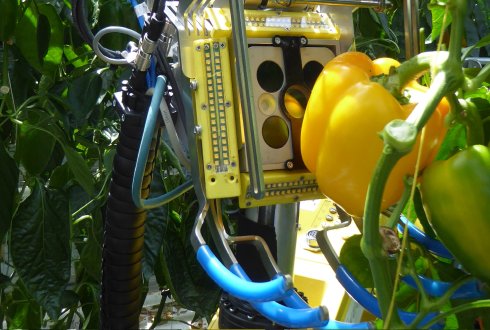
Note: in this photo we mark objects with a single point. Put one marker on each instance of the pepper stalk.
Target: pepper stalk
(399, 139)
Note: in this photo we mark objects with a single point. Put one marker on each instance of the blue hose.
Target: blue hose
(143, 152)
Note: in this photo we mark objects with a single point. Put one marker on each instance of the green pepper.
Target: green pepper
(456, 198)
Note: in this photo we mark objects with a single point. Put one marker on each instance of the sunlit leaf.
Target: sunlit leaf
(441, 19)
(455, 140)
(45, 51)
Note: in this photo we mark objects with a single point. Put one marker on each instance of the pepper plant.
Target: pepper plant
(452, 201)
(58, 132)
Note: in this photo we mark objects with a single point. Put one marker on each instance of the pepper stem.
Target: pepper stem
(371, 244)
(447, 79)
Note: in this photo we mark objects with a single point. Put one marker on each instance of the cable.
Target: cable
(144, 150)
(165, 67)
(79, 14)
(107, 30)
(172, 135)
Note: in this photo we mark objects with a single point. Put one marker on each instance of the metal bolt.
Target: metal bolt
(277, 40)
(204, 107)
(123, 117)
(193, 84)
(233, 164)
(333, 210)
(216, 45)
(289, 164)
(329, 217)
(227, 104)
(303, 41)
(209, 166)
(198, 48)
(222, 45)
(206, 47)
(197, 130)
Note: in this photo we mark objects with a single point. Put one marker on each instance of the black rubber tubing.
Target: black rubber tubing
(121, 284)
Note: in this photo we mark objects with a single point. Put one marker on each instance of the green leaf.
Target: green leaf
(189, 284)
(438, 13)
(485, 41)
(60, 176)
(91, 256)
(40, 246)
(73, 58)
(83, 94)
(80, 169)
(34, 144)
(4, 281)
(89, 294)
(154, 228)
(455, 140)
(22, 311)
(44, 52)
(354, 260)
(69, 299)
(8, 189)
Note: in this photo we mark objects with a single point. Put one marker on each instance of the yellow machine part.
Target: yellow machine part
(215, 115)
(281, 187)
(206, 58)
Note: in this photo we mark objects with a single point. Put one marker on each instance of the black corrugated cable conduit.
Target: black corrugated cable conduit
(124, 230)
(121, 284)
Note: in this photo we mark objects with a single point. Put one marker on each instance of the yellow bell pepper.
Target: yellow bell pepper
(340, 140)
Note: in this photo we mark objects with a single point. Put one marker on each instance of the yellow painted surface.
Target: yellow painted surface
(322, 283)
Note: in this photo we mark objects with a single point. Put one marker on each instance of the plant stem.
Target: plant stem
(466, 113)
(424, 109)
(158, 316)
(371, 241)
(476, 82)
(5, 68)
(5, 76)
(410, 70)
(447, 80)
(458, 309)
(395, 215)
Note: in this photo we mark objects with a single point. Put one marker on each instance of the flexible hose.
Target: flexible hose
(79, 14)
(112, 29)
(124, 231)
